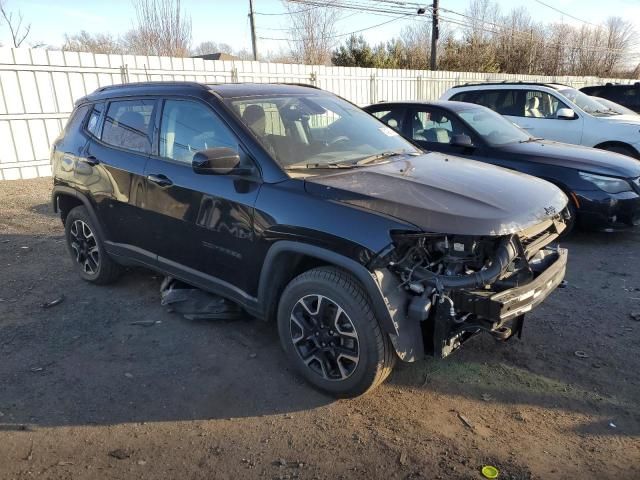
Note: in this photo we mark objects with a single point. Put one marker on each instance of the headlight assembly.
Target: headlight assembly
(607, 184)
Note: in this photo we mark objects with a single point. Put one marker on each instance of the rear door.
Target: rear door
(115, 157)
(202, 225)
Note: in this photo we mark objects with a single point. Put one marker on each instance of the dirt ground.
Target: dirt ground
(86, 393)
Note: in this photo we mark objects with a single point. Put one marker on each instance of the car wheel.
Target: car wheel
(330, 334)
(628, 151)
(87, 250)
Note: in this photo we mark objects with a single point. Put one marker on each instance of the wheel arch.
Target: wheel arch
(616, 143)
(64, 199)
(286, 259)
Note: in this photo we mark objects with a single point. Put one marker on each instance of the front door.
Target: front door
(540, 120)
(202, 224)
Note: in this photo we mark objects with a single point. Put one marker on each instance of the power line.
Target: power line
(521, 33)
(341, 34)
(298, 11)
(565, 13)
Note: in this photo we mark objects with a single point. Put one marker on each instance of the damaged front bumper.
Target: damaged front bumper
(435, 314)
(499, 314)
(502, 306)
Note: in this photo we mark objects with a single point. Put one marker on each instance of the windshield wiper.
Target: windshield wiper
(312, 166)
(358, 163)
(531, 139)
(379, 156)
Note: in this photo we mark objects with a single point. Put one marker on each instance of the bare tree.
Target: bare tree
(19, 32)
(416, 41)
(312, 33)
(620, 35)
(86, 42)
(161, 28)
(208, 47)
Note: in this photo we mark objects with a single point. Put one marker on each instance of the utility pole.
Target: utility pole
(435, 34)
(253, 30)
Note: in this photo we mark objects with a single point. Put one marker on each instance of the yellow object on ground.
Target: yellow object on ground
(490, 472)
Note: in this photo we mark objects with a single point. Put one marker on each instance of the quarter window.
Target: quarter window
(188, 127)
(94, 119)
(127, 125)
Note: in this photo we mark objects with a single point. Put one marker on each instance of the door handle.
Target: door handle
(160, 180)
(90, 160)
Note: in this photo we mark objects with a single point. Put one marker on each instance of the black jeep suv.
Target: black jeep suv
(297, 205)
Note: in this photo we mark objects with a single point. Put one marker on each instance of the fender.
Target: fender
(366, 278)
(59, 190)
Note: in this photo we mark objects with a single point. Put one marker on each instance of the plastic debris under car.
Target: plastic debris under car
(195, 304)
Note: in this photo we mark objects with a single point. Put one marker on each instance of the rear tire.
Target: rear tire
(329, 333)
(87, 250)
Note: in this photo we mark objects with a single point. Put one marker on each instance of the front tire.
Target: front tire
(329, 333)
(87, 250)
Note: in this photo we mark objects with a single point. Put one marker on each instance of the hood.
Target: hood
(585, 159)
(445, 194)
(632, 120)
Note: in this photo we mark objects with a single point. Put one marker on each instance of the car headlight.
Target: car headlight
(607, 184)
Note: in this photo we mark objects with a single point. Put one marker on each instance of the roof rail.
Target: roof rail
(150, 84)
(508, 82)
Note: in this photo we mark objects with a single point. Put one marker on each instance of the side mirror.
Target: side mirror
(218, 161)
(461, 140)
(566, 114)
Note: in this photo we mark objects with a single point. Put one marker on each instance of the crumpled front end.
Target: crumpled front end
(447, 288)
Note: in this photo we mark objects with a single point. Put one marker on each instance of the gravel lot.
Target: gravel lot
(85, 393)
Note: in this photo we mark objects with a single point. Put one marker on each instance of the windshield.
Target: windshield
(616, 107)
(493, 127)
(586, 103)
(317, 130)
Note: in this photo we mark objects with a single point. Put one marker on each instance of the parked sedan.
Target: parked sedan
(604, 187)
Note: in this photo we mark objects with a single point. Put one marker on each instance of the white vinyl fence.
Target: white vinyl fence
(39, 87)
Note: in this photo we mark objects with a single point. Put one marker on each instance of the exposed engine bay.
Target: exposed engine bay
(456, 286)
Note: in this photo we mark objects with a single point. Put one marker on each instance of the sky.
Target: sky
(226, 21)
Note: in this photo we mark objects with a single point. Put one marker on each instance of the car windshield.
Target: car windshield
(317, 130)
(616, 107)
(587, 103)
(493, 127)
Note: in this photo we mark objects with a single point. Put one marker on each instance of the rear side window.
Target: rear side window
(128, 125)
(76, 118)
(504, 102)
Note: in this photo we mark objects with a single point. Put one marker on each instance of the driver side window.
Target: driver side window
(188, 127)
(542, 105)
(434, 126)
